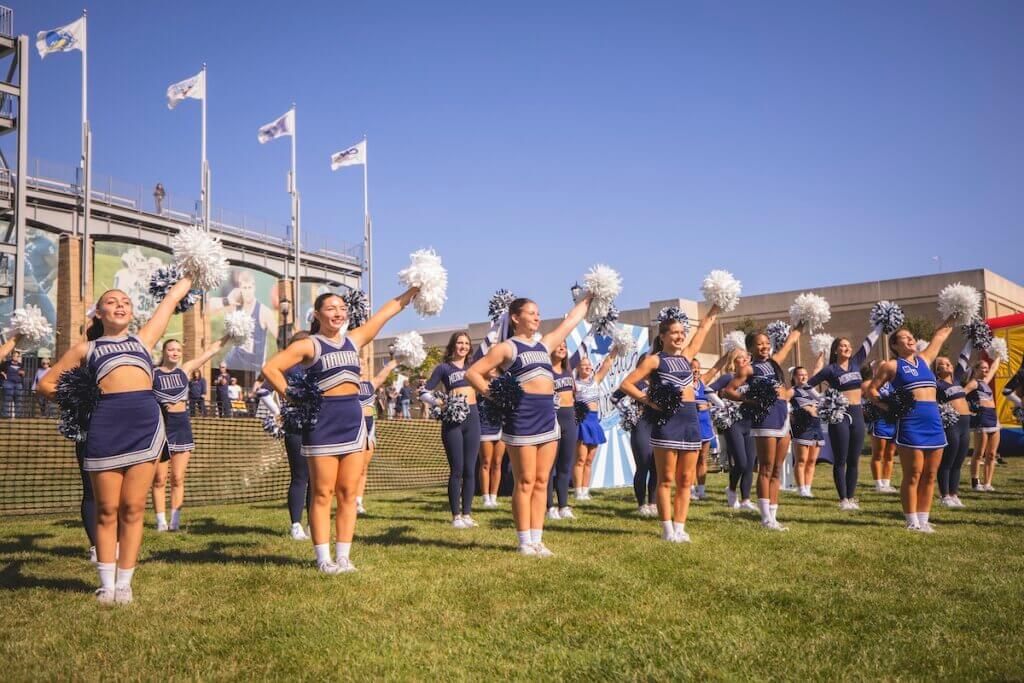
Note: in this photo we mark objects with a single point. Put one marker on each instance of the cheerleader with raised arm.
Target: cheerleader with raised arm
(331, 361)
(492, 452)
(645, 474)
(461, 439)
(707, 430)
(125, 435)
(920, 438)
(771, 427)
(676, 436)
(589, 434)
(170, 385)
(805, 429)
(739, 441)
(986, 426)
(565, 413)
(299, 493)
(368, 386)
(530, 430)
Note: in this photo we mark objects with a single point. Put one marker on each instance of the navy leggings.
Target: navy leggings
(88, 506)
(645, 478)
(298, 485)
(847, 440)
(959, 441)
(462, 447)
(561, 471)
(739, 444)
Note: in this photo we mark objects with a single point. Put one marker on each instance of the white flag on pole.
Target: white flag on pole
(194, 87)
(63, 39)
(283, 126)
(353, 156)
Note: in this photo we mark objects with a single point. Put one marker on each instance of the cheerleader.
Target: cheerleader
(952, 389)
(299, 494)
(589, 434)
(8, 346)
(846, 438)
(986, 427)
(707, 430)
(126, 430)
(645, 475)
(331, 360)
(883, 438)
(771, 432)
(565, 413)
(805, 430)
(492, 452)
(739, 441)
(368, 386)
(920, 438)
(531, 430)
(461, 439)
(170, 386)
(677, 443)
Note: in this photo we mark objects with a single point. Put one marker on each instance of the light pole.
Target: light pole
(285, 306)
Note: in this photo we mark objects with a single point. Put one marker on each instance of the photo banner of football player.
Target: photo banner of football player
(41, 279)
(255, 292)
(613, 463)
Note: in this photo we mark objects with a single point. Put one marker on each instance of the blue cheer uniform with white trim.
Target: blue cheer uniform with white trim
(707, 430)
(533, 421)
(985, 421)
(922, 428)
(172, 387)
(589, 431)
(776, 422)
(883, 429)
(682, 431)
(340, 427)
(809, 432)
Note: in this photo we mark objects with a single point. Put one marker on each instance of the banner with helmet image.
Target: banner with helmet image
(1009, 375)
(613, 463)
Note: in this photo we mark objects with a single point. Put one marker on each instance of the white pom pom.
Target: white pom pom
(821, 343)
(31, 325)
(426, 272)
(810, 309)
(408, 350)
(959, 302)
(605, 284)
(921, 345)
(201, 256)
(734, 340)
(721, 289)
(998, 349)
(623, 342)
(240, 326)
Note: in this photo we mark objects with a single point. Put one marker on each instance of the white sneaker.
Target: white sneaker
(989, 488)
(92, 554)
(360, 509)
(747, 505)
(528, 550)
(926, 528)
(777, 526)
(458, 523)
(298, 533)
(175, 525)
(913, 526)
(468, 522)
(890, 489)
(123, 595)
(730, 497)
(344, 565)
(161, 526)
(104, 596)
(490, 503)
(957, 503)
(542, 550)
(978, 487)
(681, 537)
(853, 503)
(809, 493)
(553, 513)
(652, 510)
(566, 513)
(329, 568)
(772, 526)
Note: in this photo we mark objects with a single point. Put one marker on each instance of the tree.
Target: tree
(923, 329)
(747, 325)
(435, 354)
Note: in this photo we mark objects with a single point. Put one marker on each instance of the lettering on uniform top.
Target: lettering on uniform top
(563, 383)
(677, 364)
(171, 381)
(910, 369)
(457, 376)
(954, 389)
(534, 357)
(336, 359)
(120, 347)
(849, 377)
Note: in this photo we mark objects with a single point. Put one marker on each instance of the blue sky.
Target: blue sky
(797, 144)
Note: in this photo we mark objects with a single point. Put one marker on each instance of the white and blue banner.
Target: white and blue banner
(613, 463)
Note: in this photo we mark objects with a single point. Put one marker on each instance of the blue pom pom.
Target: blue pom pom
(887, 314)
(499, 304)
(163, 279)
(832, 407)
(726, 416)
(358, 311)
(900, 403)
(606, 324)
(629, 414)
(78, 394)
(580, 411)
(667, 397)
(762, 392)
(302, 409)
(949, 415)
(270, 426)
(979, 332)
(505, 393)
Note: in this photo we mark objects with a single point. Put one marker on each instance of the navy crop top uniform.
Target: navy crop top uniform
(126, 428)
(171, 387)
(533, 421)
(986, 421)
(461, 440)
(568, 435)
(883, 429)
(776, 422)
(922, 428)
(682, 431)
(340, 428)
(806, 428)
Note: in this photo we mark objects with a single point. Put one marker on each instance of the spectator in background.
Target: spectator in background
(158, 197)
(43, 404)
(12, 375)
(197, 394)
(392, 401)
(223, 396)
(405, 401)
(234, 394)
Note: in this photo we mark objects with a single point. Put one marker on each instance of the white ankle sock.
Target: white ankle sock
(323, 553)
(124, 577)
(106, 571)
(774, 509)
(887, 482)
(176, 517)
(524, 537)
(764, 505)
(161, 518)
(359, 500)
(667, 529)
(341, 550)
(679, 527)
(535, 535)
(911, 518)
(922, 517)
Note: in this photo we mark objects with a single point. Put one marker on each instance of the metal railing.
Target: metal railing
(6, 22)
(66, 179)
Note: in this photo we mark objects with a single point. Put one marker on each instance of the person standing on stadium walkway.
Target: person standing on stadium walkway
(126, 431)
(331, 360)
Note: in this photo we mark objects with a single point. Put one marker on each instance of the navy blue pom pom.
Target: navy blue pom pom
(505, 393)
(580, 411)
(78, 394)
(302, 409)
(358, 311)
(900, 403)
(163, 279)
(667, 398)
(762, 392)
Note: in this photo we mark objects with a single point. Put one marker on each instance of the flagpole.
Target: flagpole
(367, 227)
(204, 171)
(295, 221)
(86, 155)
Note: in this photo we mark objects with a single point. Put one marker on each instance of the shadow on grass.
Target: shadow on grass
(208, 526)
(400, 535)
(11, 578)
(27, 543)
(215, 553)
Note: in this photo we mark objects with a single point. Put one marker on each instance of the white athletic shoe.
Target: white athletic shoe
(947, 501)
(458, 523)
(490, 504)
(468, 522)
(329, 568)
(161, 526)
(853, 503)
(681, 537)
(566, 513)
(345, 566)
(747, 505)
(978, 487)
(542, 550)
(890, 489)
(844, 504)
(298, 533)
(175, 525)
(553, 513)
(957, 503)
(528, 550)
(913, 526)
(105, 596)
(360, 509)
(652, 510)
(989, 488)
(926, 528)
(730, 497)
(92, 554)
(810, 494)
(772, 525)
(123, 595)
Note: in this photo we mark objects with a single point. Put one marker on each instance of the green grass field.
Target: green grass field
(848, 596)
